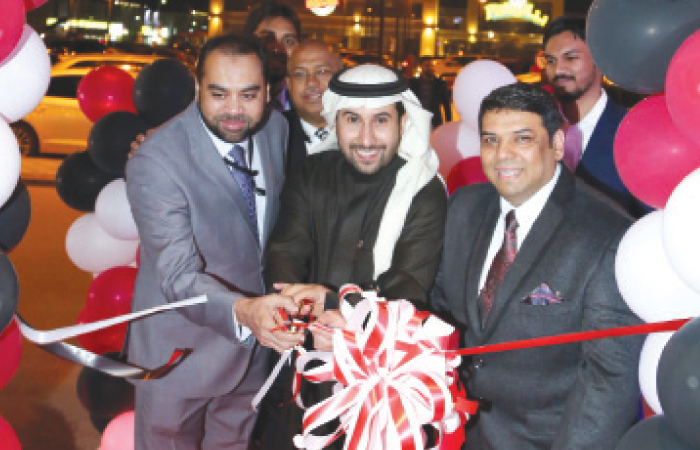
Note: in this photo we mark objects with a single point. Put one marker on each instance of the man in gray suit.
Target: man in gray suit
(553, 274)
(204, 193)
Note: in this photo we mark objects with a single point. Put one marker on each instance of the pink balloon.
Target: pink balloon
(466, 172)
(474, 82)
(105, 90)
(683, 87)
(444, 141)
(651, 155)
(8, 438)
(10, 353)
(11, 26)
(119, 434)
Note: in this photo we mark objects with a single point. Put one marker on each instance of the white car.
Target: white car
(58, 125)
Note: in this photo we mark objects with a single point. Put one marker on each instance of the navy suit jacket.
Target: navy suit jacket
(597, 167)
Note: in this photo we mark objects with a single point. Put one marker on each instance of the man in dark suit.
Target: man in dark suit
(578, 85)
(204, 194)
(553, 274)
(432, 93)
(310, 67)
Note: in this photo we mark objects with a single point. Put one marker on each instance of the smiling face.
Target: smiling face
(369, 138)
(232, 95)
(517, 154)
(310, 69)
(570, 68)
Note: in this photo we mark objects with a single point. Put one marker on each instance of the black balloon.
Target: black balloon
(79, 181)
(104, 396)
(678, 382)
(654, 433)
(9, 291)
(633, 41)
(14, 217)
(99, 422)
(163, 89)
(109, 141)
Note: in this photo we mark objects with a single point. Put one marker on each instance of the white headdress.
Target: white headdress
(372, 86)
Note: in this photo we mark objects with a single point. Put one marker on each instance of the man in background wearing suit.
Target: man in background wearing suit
(432, 93)
(578, 86)
(310, 68)
(279, 28)
(204, 194)
(528, 255)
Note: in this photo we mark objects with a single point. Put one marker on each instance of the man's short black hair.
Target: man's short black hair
(233, 45)
(576, 25)
(268, 10)
(524, 97)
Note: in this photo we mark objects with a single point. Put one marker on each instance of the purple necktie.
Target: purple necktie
(500, 264)
(573, 147)
(244, 178)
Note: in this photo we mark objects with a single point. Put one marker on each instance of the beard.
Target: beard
(226, 135)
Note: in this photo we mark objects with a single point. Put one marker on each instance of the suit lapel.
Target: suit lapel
(204, 151)
(262, 147)
(528, 256)
(475, 263)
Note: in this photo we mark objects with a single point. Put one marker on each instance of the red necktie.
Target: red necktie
(500, 264)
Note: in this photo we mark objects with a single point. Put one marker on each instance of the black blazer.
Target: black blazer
(296, 149)
(574, 396)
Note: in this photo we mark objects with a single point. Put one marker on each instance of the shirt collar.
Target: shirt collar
(527, 213)
(310, 131)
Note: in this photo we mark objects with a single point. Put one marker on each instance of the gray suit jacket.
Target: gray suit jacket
(573, 396)
(196, 239)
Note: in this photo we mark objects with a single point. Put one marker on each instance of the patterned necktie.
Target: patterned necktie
(500, 264)
(245, 181)
(573, 147)
(321, 133)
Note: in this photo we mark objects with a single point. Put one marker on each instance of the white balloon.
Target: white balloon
(113, 211)
(93, 250)
(24, 76)
(10, 161)
(647, 282)
(474, 82)
(648, 365)
(680, 230)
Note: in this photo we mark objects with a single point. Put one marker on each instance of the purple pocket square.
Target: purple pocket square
(542, 296)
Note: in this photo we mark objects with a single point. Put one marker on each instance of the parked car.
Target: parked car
(60, 49)
(58, 125)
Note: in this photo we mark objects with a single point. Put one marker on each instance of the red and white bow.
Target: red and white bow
(393, 377)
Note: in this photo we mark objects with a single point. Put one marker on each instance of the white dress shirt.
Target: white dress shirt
(588, 123)
(310, 131)
(525, 214)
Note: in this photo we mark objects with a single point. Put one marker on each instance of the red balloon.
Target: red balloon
(651, 154)
(683, 87)
(103, 341)
(11, 26)
(109, 295)
(467, 171)
(10, 353)
(8, 438)
(31, 4)
(105, 90)
(111, 291)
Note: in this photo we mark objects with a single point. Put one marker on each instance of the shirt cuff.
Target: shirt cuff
(243, 333)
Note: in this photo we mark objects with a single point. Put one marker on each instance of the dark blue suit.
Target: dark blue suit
(597, 167)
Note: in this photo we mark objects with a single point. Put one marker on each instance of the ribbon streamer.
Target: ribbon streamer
(51, 341)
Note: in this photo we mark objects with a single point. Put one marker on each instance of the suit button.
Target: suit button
(478, 363)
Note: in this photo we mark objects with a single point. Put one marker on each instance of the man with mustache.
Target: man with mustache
(204, 194)
(371, 213)
(310, 67)
(593, 117)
